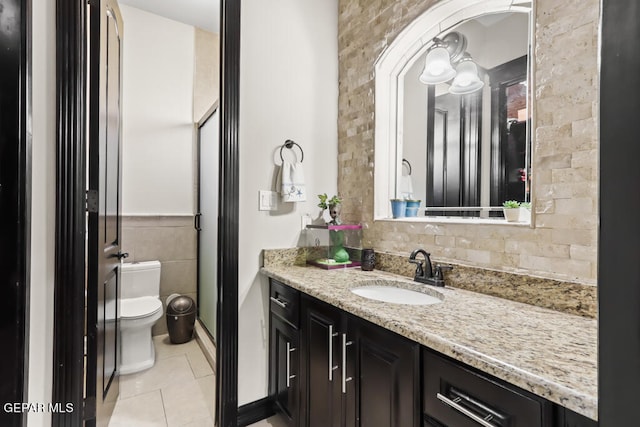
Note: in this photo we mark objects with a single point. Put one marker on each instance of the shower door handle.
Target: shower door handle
(196, 221)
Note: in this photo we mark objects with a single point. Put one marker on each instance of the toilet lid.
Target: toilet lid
(133, 308)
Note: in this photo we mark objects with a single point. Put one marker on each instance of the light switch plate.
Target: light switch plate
(304, 221)
(267, 200)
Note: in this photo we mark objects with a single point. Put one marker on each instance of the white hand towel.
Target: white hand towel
(406, 187)
(292, 186)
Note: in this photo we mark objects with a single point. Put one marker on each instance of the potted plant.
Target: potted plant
(525, 212)
(334, 204)
(398, 208)
(511, 210)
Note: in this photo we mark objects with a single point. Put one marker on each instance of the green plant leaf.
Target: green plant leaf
(511, 204)
(323, 201)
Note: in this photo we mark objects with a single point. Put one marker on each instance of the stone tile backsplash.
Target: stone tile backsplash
(566, 297)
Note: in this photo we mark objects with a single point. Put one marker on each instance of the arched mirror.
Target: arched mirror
(460, 138)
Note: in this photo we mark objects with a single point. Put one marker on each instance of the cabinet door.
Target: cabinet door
(387, 380)
(320, 382)
(568, 418)
(284, 370)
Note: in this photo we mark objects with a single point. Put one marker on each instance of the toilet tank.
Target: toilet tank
(140, 279)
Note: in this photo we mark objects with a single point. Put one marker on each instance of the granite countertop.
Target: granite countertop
(551, 354)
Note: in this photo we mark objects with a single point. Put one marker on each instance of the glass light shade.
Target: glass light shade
(466, 80)
(437, 67)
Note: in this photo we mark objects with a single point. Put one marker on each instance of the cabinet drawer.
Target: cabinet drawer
(285, 303)
(456, 396)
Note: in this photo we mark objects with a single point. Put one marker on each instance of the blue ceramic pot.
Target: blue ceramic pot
(411, 212)
(412, 208)
(398, 208)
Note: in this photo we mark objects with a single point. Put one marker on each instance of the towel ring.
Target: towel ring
(289, 144)
(405, 161)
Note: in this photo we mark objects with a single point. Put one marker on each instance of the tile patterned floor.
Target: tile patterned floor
(179, 391)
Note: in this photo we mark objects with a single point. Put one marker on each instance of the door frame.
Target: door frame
(15, 188)
(71, 144)
(619, 252)
(229, 212)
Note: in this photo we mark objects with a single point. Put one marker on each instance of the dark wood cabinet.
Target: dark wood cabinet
(321, 369)
(386, 374)
(356, 373)
(285, 370)
(329, 368)
(567, 418)
(457, 396)
(284, 352)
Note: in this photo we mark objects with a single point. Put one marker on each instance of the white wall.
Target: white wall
(157, 109)
(414, 138)
(288, 90)
(42, 211)
(507, 39)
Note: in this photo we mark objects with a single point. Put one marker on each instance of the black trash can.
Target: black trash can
(181, 316)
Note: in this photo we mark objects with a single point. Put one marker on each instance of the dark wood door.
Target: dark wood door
(320, 365)
(453, 151)
(14, 212)
(285, 369)
(104, 255)
(387, 379)
(510, 159)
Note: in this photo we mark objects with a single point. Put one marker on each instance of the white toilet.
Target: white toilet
(140, 308)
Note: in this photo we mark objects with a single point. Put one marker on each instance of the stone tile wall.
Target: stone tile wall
(206, 76)
(172, 240)
(562, 244)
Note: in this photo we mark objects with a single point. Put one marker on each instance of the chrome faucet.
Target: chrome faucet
(426, 273)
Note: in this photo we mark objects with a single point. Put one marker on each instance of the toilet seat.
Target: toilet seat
(137, 308)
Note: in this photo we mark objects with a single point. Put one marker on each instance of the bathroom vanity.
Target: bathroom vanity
(338, 359)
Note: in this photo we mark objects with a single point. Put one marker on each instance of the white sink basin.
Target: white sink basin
(395, 295)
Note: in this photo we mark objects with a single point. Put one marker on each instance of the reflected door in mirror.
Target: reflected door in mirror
(453, 151)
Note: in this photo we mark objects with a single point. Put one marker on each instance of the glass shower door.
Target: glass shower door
(207, 221)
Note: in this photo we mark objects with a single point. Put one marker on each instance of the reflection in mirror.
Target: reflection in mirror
(467, 139)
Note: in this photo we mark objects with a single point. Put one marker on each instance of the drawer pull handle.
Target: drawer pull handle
(330, 358)
(465, 411)
(281, 303)
(289, 376)
(345, 380)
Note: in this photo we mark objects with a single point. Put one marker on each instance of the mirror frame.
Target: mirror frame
(393, 64)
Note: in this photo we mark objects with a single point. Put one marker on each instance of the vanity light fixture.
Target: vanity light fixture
(466, 79)
(440, 60)
(437, 66)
